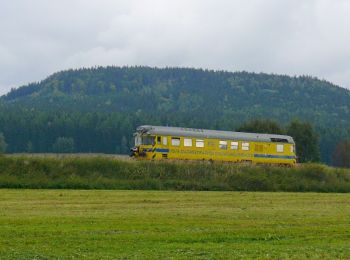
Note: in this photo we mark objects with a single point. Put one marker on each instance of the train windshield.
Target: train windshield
(148, 140)
(138, 140)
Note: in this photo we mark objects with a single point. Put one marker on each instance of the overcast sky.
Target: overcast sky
(306, 37)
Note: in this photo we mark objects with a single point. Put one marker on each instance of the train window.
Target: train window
(138, 140)
(165, 140)
(175, 141)
(223, 145)
(280, 148)
(245, 146)
(234, 145)
(158, 140)
(199, 143)
(292, 148)
(148, 140)
(187, 142)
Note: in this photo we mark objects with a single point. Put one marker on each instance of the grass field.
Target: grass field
(97, 224)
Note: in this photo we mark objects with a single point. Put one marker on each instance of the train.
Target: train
(179, 143)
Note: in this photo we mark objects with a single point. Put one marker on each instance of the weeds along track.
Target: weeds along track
(119, 172)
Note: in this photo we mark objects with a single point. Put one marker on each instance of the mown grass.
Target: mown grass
(99, 224)
(109, 173)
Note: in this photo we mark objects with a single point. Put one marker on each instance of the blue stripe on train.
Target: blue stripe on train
(270, 156)
(159, 150)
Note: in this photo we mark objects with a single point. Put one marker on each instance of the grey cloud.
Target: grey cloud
(292, 37)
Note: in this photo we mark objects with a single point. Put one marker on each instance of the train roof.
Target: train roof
(205, 133)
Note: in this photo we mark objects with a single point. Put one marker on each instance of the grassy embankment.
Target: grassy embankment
(109, 173)
(96, 224)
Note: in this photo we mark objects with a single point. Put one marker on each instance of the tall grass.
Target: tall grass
(109, 173)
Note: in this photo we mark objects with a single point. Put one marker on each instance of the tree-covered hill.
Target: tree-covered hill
(99, 107)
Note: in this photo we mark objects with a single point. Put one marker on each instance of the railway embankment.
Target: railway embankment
(107, 172)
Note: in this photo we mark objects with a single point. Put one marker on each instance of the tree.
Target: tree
(63, 145)
(266, 126)
(341, 155)
(124, 145)
(29, 148)
(306, 140)
(3, 144)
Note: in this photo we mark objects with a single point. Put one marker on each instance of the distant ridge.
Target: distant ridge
(189, 97)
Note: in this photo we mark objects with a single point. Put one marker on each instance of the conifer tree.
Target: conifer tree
(3, 144)
(306, 140)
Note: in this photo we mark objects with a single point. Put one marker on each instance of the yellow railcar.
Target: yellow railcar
(161, 142)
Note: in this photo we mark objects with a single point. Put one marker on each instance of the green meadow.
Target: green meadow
(109, 224)
(99, 207)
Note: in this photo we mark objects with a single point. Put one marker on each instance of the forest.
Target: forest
(97, 109)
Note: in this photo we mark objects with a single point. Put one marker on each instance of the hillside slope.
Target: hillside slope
(179, 97)
(183, 90)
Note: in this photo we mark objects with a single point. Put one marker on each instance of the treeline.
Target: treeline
(63, 132)
(109, 173)
(42, 132)
(97, 109)
(38, 131)
(112, 133)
